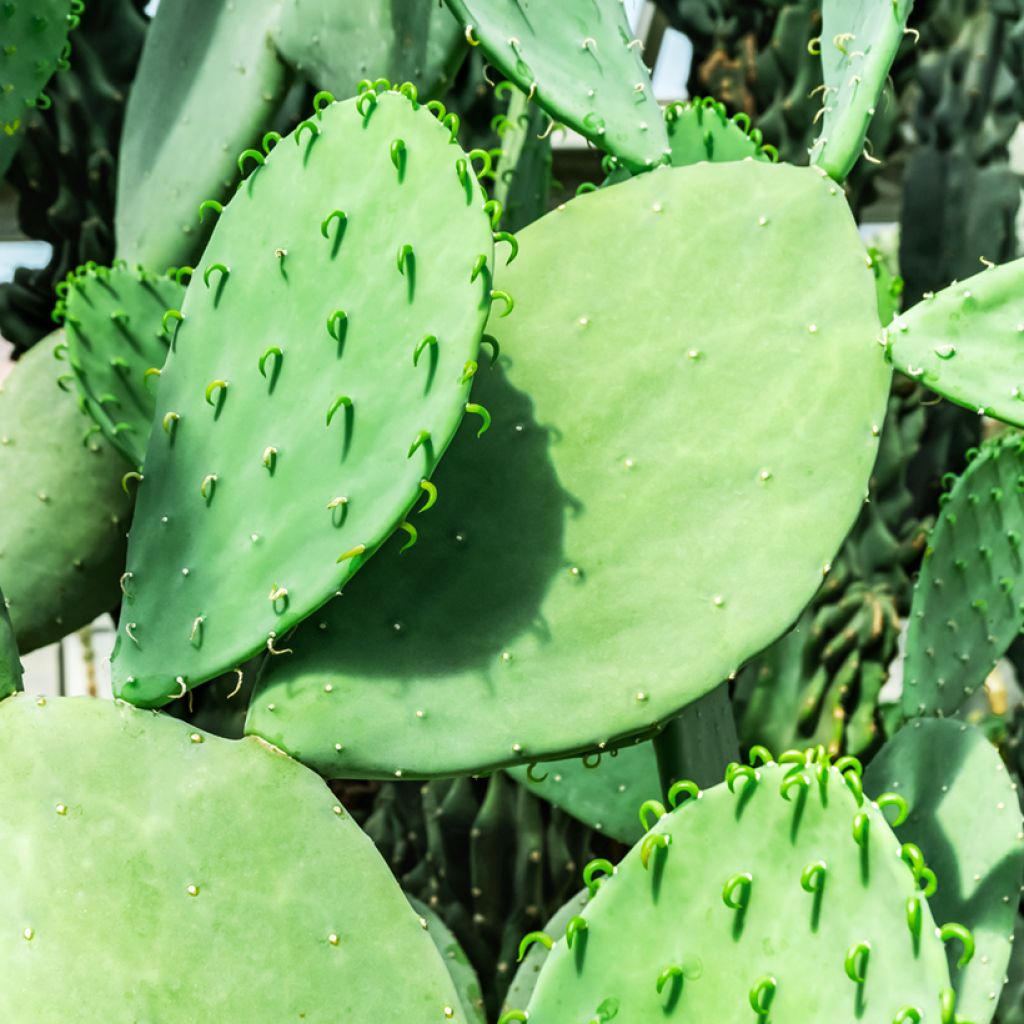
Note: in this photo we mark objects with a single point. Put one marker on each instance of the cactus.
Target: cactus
(65, 515)
(522, 174)
(962, 341)
(195, 868)
(723, 908)
(701, 129)
(585, 526)
(603, 791)
(33, 47)
(10, 663)
(966, 608)
(579, 61)
(117, 345)
(966, 821)
(237, 540)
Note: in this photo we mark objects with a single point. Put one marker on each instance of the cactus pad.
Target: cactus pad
(859, 40)
(320, 367)
(780, 896)
(701, 129)
(964, 342)
(64, 512)
(191, 847)
(966, 821)
(968, 602)
(601, 790)
(579, 61)
(606, 573)
(10, 663)
(118, 344)
(33, 46)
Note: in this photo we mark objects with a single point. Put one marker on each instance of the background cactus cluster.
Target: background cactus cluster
(545, 589)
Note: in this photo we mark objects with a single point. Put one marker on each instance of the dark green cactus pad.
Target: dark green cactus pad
(463, 975)
(966, 821)
(320, 368)
(64, 512)
(859, 40)
(601, 790)
(117, 344)
(522, 174)
(10, 663)
(967, 603)
(606, 572)
(209, 83)
(187, 853)
(964, 342)
(579, 61)
(779, 897)
(33, 47)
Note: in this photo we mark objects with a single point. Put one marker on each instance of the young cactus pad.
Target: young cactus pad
(321, 364)
(964, 342)
(780, 897)
(185, 859)
(968, 603)
(580, 62)
(615, 569)
(33, 45)
(701, 129)
(966, 821)
(117, 343)
(859, 40)
(10, 663)
(64, 512)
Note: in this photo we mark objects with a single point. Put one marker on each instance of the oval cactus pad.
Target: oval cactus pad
(321, 364)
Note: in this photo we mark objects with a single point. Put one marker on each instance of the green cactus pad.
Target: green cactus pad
(966, 821)
(968, 602)
(579, 61)
(463, 976)
(335, 46)
(964, 342)
(118, 344)
(320, 368)
(564, 589)
(64, 512)
(601, 790)
(209, 83)
(184, 859)
(10, 663)
(33, 46)
(701, 129)
(741, 899)
(522, 181)
(859, 40)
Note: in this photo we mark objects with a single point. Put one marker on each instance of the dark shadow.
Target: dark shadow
(816, 899)
(738, 922)
(675, 990)
(799, 802)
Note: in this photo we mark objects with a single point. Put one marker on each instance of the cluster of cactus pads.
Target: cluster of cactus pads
(397, 473)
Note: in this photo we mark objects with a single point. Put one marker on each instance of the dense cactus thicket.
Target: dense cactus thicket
(532, 603)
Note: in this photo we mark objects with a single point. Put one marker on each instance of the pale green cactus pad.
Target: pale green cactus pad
(602, 790)
(10, 663)
(177, 842)
(968, 602)
(580, 62)
(33, 46)
(321, 365)
(633, 551)
(118, 341)
(966, 821)
(965, 342)
(781, 896)
(64, 513)
(859, 40)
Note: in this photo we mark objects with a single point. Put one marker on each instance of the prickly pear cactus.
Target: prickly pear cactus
(964, 342)
(169, 837)
(969, 598)
(64, 512)
(606, 575)
(966, 821)
(321, 364)
(522, 174)
(118, 341)
(782, 895)
(10, 663)
(701, 129)
(579, 61)
(33, 46)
